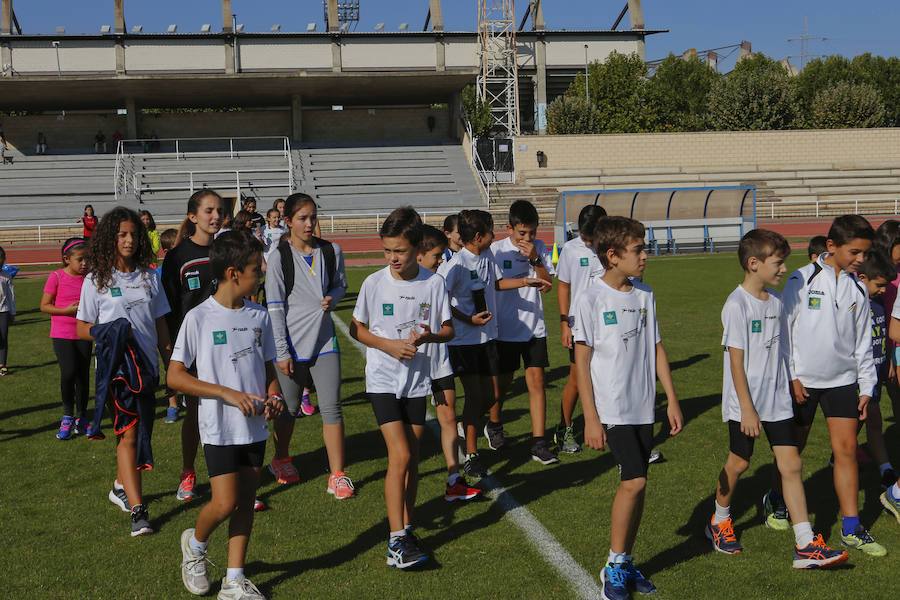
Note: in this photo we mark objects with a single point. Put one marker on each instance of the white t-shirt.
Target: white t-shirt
(520, 312)
(136, 296)
(230, 347)
(439, 354)
(621, 328)
(463, 273)
(393, 308)
(578, 266)
(271, 237)
(758, 328)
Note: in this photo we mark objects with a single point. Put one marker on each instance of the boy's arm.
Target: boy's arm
(339, 287)
(749, 417)
(276, 305)
(563, 291)
(275, 401)
(520, 282)
(444, 335)
(791, 299)
(594, 435)
(179, 379)
(399, 349)
(664, 373)
(83, 329)
(867, 374)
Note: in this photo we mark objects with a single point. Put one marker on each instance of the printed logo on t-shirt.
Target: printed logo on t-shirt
(583, 261)
(115, 292)
(473, 274)
(756, 326)
(424, 311)
(815, 303)
(507, 264)
(193, 283)
(387, 310)
(609, 318)
(219, 338)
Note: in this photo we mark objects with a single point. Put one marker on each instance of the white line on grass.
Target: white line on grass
(543, 541)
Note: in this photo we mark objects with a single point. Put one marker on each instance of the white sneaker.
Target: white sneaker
(193, 566)
(239, 590)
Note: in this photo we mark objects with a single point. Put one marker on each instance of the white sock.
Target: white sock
(117, 485)
(722, 513)
(885, 467)
(803, 534)
(616, 557)
(234, 574)
(452, 478)
(197, 547)
(895, 491)
(396, 535)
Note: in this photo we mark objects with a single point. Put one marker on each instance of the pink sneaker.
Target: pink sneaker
(284, 471)
(340, 486)
(185, 491)
(259, 505)
(307, 408)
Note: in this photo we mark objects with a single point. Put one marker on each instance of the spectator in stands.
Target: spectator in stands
(41, 147)
(4, 150)
(100, 142)
(152, 233)
(89, 221)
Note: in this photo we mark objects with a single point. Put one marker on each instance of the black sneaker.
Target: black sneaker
(495, 435)
(542, 453)
(404, 553)
(140, 521)
(473, 467)
(888, 479)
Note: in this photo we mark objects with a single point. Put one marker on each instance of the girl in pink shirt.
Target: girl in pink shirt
(60, 300)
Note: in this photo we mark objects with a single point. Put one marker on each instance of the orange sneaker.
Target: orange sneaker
(460, 491)
(722, 537)
(185, 491)
(284, 471)
(340, 486)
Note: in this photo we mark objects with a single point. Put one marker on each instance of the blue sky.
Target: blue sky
(851, 27)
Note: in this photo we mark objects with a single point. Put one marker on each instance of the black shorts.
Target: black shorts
(876, 393)
(841, 402)
(532, 353)
(630, 446)
(439, 386)
(779, 433)
(572, 354)
(388, 408)
(222, 460)
(475, 359)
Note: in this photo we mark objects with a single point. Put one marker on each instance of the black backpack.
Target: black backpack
(287, 263)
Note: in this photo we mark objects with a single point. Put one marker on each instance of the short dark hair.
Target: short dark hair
(614, 233)
(242, 219)
(850, 227)
(451, 222)
(403, 222)
(878, 264)
(761, 244)
(168, 238)
(587, 218)
(234, 248)
(523, 212)
(432, 238)
(473, 222)
(816, 245)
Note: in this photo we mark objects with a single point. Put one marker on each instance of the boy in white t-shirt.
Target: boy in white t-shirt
(522, 335)
(399, 309)
(229, 341)
(756, 396)
(473, 279)
(619, 355)
(578, 269)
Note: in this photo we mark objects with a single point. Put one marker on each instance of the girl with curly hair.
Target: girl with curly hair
(121, 284)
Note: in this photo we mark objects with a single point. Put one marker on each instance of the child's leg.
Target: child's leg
(173, 400)
(226, 490)
(241, 523)
(537, 400)
(326, 375)
(476, 392)
(790, 467)
(501, 384)
(4, 337)
(284, 425)
(190, 434)
(846, 474)
(414, 435)
(875, 434)
(446, 414)
(126, 466)
(65, 356)
(399, 460)
(569, 397)
(626, 515)
(735, 466)
(82, 376)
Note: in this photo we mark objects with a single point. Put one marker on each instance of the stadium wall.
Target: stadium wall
(839, 147)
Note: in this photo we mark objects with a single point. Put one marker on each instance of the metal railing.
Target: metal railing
(42, 232)
(191, 184)
(775, 209)
(482, 175)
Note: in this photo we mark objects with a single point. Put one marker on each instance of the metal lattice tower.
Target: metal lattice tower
(498, 81)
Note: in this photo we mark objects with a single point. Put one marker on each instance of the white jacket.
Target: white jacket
(7, 294)
(830, 329)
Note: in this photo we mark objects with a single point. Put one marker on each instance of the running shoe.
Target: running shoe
(863, 541)
(94, 434)
(723, 538)
(777, 516)
(891, 504)
(118, 497)
(818, 556)
(140, 521)
(193, 566)
(404, 553)
(541, 452)
(259, 505)
(496, 437)
(340, 486)
(239, 590)
(655, 456)
(66, 429)
(460, 491)
(81, 425)
(171, 414)
(284, 471)
(636, 579)
(185, 491)
(888, 479)
(615, 582)
(473, 466)
(564, 438)
(306, 408)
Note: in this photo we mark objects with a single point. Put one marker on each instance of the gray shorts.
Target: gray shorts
(325, 375)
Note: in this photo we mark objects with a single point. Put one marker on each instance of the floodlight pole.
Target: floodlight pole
(587, 88)
(58, 67)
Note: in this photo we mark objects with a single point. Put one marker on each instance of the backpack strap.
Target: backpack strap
(328, 255)
(287, 267)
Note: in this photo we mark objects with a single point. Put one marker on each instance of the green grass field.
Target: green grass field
(65, 540)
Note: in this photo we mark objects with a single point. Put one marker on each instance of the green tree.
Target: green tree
(477, 113)
(884, 74)
(758, 94)
(572, 115)
(617, 89)
(679, 93)
(822, 74)
(846, 105)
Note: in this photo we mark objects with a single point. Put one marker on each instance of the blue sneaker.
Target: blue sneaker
(171, 414)
(615, 582)
(637, 581)
(94, 434)
(405, 553)
(66, 428)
